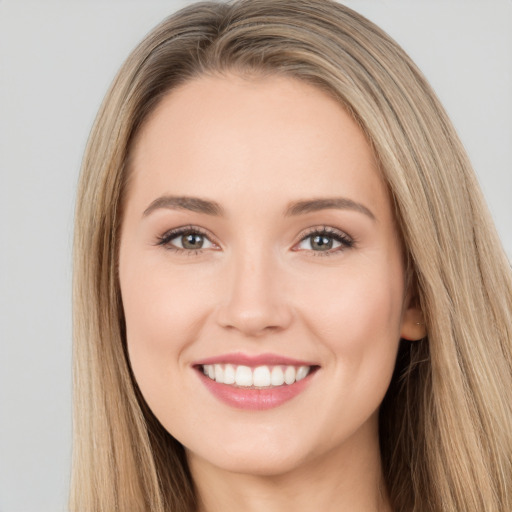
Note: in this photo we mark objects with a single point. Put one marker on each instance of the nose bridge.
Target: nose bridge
(255, 300)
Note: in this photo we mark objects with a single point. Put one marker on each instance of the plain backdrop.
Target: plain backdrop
(57, 59)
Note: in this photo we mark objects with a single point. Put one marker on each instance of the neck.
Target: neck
(348, 478)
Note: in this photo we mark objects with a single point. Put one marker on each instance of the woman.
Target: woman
(219, 362)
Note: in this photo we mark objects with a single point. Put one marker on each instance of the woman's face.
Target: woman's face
(259, 247)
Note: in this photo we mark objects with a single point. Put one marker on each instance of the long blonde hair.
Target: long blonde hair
(446, 421)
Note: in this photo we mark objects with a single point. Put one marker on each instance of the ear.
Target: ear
(413, 323)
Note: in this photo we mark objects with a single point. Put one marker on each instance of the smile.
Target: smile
(255, 383)
(261, 377)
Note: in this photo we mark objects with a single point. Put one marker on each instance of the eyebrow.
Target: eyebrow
(196, 204)
(339, 203)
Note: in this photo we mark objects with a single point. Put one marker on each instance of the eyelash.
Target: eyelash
(346, 241)
(166, 238)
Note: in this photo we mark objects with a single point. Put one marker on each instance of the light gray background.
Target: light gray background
(57, 59)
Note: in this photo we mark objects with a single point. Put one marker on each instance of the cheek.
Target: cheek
(357, 321)
(357, 316)
(163, 318)
(164, 304)
(362, 306)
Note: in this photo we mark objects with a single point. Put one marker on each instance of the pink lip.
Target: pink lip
(254, 399)
(253, 361)
(251, 398)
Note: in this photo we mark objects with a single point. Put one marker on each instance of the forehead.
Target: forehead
(271, 135)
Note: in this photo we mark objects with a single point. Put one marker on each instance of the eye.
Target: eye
(326, 240)
(187, 239)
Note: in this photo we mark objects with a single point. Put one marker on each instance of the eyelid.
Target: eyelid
(341, 236)
(164, 240)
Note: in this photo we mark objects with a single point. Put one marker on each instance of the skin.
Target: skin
(255, 145)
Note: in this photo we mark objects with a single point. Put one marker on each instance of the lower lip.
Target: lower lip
(254, 399)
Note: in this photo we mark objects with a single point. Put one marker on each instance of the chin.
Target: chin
(255, 463)
(262, 455)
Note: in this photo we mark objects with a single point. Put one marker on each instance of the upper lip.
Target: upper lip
(254, 360)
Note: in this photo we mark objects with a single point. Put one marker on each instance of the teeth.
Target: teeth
(289, 375)
(243, 376)
(219, 373)
(277, 377)
(259, 377)
(229, 374)
(302, 372)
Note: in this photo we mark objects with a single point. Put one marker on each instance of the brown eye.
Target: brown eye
(321, 243)
(191, 241)
(325, 241)
(186, 240)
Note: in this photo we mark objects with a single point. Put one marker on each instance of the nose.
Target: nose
(255, 298)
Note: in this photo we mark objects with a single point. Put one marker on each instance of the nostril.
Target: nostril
(254, 322)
